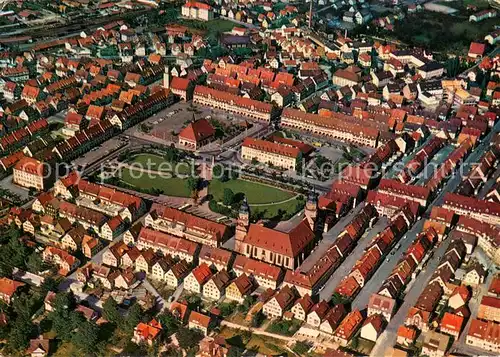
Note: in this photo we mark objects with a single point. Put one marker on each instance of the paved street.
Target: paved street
(346, 266)
(388, 338)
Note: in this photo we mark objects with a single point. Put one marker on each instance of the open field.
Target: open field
(266, 200)
(262, 344)
(255, 193)
(157, 163)
(170, 186)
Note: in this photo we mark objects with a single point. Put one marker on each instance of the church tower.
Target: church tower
(311, 209)
(166, 77)
(242, 226)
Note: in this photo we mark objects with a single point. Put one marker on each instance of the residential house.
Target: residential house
(280, 302)
(197, 278)
(215, 287)
(484, 335)
(302, 307)
(239, 288)
(348, 327)
(8, 289)
(177, 273)
(200, 322)
(435, 344)
(373, 327)
(147, 332)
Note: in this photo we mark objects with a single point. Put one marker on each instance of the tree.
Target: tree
(248, 301)
(193, 183)
(49, 284)
(171, 154)
(20, 333)
(219, 172)
(258, 319)
(228, 197)
(227, 309)
(110, 311)
(134, 316)
(254, 161)
(86, 337)
(188, 338)
(35, 263)
(168, 322)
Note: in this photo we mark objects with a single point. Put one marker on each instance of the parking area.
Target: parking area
(7, 184)
(101, 151)
(166, 124)
(332, 153)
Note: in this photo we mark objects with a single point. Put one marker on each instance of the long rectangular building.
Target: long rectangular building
(267, 152)
(336, 128)
(484, 211)
(233, 103)
(185, 225)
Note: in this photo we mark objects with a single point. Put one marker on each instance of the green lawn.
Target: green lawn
(170, 186)
(220, 25)
(258, 196)
(158, 163)
(255, 193)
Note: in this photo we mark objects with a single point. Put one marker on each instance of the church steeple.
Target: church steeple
(242, 225)
(311, 209)
(166, 77)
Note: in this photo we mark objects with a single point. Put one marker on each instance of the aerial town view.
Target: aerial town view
(224, 178)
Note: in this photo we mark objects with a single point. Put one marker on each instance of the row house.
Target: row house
(264, 274)
(348, 328)
(281, 301)
(408, 192)
(484, 335)
(133, 114)
(197, 278)
(216, 258)
(302, 307)
(215, 288)
(484, 211)
(420, 315)
(85, 140)
(235, 104)
(171, 272)
(239, 288)
(188, 226)
(109, 201)
(167, 244)
(271, 153)
(485, 233)
(489, 309)
(89, 219)
(337, 128)
(449, 264)
(60, 258)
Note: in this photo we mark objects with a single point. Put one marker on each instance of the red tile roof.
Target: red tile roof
(197, 131)
(8, 287)
(289, 244)
(270, 147)
(485, 330)
(202, 273)
(232, 99)
(31, 166)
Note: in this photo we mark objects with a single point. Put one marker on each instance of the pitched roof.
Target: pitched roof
(8, 287)
(290, 244)
(271, 147)
(198, 130)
